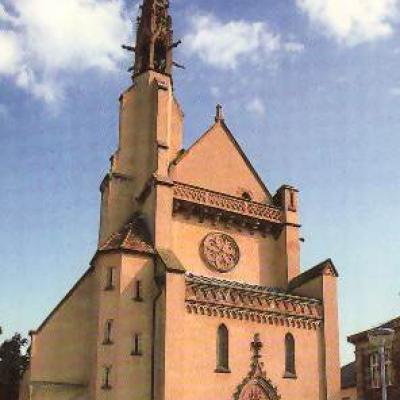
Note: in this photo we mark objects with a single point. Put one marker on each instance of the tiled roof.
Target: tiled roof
(348, 376)
(134, 236)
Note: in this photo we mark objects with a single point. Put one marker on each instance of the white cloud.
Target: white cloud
(353, 21)
(225, 45)
(10, 51)
(47, 38)
(256, 106)
(395, 91)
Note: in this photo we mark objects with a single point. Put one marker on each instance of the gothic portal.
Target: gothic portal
(197, 270)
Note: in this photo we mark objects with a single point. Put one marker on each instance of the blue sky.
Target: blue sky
(310, 88)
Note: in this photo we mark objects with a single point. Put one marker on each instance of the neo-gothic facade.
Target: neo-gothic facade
(195, 290)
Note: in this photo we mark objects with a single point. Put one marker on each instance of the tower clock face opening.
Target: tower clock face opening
(220, 251)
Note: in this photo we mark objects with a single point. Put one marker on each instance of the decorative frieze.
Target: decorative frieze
(257, 212)
(227, 299)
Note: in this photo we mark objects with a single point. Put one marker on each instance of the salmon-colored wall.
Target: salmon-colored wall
(130, 374)
(191, 354)
(215, 163)
(259, 261)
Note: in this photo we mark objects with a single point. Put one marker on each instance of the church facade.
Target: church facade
(195, 290)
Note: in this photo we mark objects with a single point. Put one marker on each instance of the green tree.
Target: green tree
(14, 360)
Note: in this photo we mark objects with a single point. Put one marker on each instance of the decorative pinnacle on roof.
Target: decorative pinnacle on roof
(219, 115)
(154, 39)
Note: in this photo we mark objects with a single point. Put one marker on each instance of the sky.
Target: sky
(310, 89)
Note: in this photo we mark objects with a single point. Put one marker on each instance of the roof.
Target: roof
(393, 323)
(348, 376)
(134, 236)
(322, 268)
(88, 272)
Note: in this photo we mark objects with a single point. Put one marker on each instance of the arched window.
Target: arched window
(290, 356)
(246, 196)
(222, 349)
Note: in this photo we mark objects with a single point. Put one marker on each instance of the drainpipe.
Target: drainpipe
(159, 284)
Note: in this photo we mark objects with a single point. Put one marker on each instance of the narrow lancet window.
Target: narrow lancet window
(110, 278)
(106, 385)
(108, 328)
(137, 296)
(222, 349)
(137, 345)
(290, 356)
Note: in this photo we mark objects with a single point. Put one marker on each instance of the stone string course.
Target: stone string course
(227, 299)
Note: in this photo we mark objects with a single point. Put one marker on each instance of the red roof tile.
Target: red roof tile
(134, 236)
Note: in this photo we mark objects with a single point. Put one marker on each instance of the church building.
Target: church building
(195, 291)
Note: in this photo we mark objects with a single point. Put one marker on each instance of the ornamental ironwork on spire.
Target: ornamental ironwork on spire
(154, 39)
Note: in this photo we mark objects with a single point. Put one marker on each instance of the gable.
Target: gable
(216, 162)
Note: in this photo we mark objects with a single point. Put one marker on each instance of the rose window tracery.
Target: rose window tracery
(220, 251)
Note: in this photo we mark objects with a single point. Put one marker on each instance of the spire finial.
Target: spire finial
(154, 39)
(219, 115)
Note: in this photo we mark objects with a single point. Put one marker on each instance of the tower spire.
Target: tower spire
(154, 39)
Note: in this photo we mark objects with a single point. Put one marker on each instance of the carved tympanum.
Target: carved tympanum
(220, 251)
(254, 392)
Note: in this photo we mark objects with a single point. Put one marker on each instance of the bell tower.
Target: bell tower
(150, 125)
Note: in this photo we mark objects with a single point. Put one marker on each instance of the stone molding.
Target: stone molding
(220, 298)
(225, 203)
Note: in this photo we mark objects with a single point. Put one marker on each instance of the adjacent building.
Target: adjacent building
(365, 373)
(195, 290)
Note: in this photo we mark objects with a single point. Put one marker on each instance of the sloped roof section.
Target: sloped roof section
(134, 236)
(348, 376)
(363, 335)
(324, 268)
(216, 162)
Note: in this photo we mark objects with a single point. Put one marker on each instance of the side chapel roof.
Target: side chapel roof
(314, 272)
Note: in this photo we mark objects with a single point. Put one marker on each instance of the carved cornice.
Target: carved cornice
(226, 205)
(220, 298)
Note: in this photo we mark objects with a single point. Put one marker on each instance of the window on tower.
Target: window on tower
(222, 349)
(110, 277)
(106, 385)
(137, 295)
(290, 357)
(137, 345)
(108, 331)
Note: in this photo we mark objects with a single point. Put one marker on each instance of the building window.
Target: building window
(222, 349)
(137, 345)
(290, 357)
(375, 369)
(389, 367)
(246, 196)
(108, 328)
(110, 277)
(137, 295)
(106, 378)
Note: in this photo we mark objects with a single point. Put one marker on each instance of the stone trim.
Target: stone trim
(246, 302)
(226, 203)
